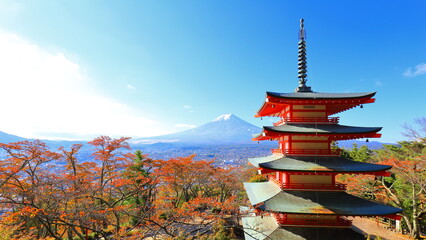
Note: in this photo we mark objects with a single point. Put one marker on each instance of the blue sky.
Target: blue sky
(78, 69)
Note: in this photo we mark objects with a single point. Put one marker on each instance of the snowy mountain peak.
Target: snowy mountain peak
(223, 117)
(226, 128)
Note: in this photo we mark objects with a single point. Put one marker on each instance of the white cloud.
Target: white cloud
(183, 125)
(130, 86)
(46, 95)
(419, 69)
(188, 108)
(379, 83)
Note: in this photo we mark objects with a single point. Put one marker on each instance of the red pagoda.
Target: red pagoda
(302, 199)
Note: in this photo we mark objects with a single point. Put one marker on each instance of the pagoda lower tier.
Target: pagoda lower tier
(269, 197)
(266, 227)
(306, 214)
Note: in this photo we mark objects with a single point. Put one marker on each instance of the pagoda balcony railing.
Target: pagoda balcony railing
(308, 186)
(323, 120)
(339, 221)
(326, 152)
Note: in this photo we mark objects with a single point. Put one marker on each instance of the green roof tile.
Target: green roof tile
(265, 227)
(313, 202)
(321, 129)
(315, 163)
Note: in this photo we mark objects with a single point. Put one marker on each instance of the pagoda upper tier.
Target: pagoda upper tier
(311, 106)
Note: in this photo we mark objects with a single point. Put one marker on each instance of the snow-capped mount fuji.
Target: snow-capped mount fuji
(225, 117)
(226, 128)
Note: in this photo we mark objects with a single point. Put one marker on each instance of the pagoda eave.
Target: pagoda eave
(266, 227)
(274, 106)
(274, 136)
(382, 173)
(316, 164)
(391, 216)
(267, 196)
(320, 96)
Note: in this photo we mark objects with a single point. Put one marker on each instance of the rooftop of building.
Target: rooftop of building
(265, 227)
(315, 129)
(315, 163)
(269, 197)
(320, 96)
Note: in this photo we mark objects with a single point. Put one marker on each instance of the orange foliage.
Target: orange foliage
(193, 193)
(80, 198)
(116, 192)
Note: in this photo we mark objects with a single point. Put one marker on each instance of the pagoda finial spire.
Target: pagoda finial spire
(302, 30)
(302, 61)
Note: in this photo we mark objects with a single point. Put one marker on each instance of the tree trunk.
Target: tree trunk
(70, 234)
(408, 222)
(415, 231)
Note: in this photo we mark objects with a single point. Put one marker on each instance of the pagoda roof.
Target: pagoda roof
(266, 227)
(269, 197)
(315, 164)
(320, 96)
(336, 102)
(314, 129)
(309, 233)
(258, 227)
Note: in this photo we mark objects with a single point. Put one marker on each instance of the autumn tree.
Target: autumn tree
(114, 194)
(192, 197)
(405, 188)
(47, 199)
(26, 180)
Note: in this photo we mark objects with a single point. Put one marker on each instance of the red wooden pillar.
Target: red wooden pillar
(287, 178)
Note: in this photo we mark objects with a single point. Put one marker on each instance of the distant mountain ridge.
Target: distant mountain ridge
(359, 143)
(226, 140)
(226, 128)
(9, 138)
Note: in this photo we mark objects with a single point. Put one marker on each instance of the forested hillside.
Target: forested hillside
(118, 194)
